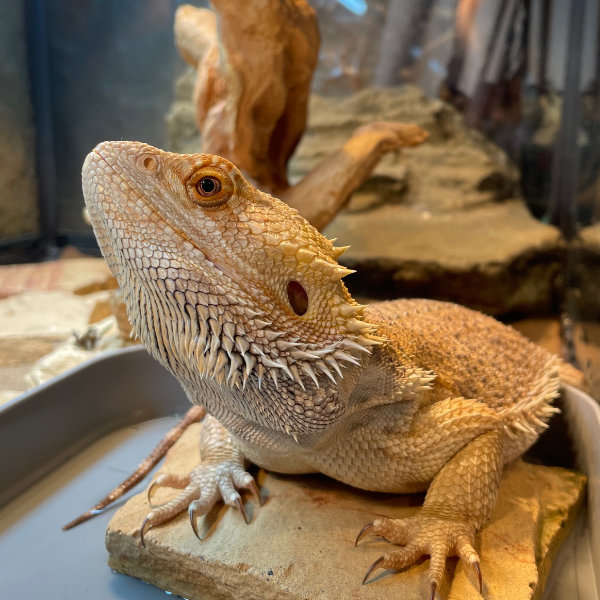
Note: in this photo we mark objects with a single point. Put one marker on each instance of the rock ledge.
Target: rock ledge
(300, 543)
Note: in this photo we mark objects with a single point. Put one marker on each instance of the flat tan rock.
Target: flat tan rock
(17, 354)
(34, 325)
(46, 314)
(299, 544)
(76, 275)
(495, 258)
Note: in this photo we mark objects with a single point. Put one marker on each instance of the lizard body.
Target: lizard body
(243, 301)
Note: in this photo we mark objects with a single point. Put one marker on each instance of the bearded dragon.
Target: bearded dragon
(243, 301)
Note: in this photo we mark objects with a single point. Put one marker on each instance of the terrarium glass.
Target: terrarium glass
(497, 210)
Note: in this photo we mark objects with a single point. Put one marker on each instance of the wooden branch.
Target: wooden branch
(255, 63)
(326, 189)
(252, 90)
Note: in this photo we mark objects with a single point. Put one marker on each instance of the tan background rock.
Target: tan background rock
(443, 220)
(44, 307)
(496, 258)
(76, 275)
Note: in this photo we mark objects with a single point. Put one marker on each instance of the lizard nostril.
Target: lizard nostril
(148, 163)
(298, 297)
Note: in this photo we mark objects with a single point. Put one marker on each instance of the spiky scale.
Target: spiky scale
(202, 311)
(228, 345)
(304, 255)
(341, 355)
(229, 330)
(272, 335)
(339, 250)
(242, 345)
(322, 265)
(319, 364)
(284, 345)
(333, 364)
(301, 355)
(277, 364)
(340, 272)
(310, 372)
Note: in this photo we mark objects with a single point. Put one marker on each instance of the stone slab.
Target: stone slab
(35, 325)
(495, 258)
(299, 544)
(76, 275)
(55, 314)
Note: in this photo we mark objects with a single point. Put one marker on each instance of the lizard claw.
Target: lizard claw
(364, 531)
(375, 565)
(193, 513)
(151, 488)
(238, 504)
(255, 492)
(145, 526)
(477, 569)
(433, 590)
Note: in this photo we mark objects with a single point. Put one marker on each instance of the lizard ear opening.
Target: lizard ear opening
(298, 297)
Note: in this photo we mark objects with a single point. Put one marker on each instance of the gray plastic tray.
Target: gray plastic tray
(68, 442)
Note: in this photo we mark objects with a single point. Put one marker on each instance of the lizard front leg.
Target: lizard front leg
(220, 474)
(458, 501)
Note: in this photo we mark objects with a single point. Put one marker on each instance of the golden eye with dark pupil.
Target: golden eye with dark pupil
(208, 186)
(298, 297)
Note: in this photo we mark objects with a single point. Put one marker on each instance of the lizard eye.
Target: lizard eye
(298, 297)
(208, 186)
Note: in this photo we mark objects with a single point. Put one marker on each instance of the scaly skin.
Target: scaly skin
(398, 396)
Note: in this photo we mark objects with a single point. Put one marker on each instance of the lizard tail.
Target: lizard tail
(194, 414)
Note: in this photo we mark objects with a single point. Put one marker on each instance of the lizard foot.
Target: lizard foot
(200, 491)
(425, 535)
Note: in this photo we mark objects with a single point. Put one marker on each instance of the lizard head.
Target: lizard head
(236, 278)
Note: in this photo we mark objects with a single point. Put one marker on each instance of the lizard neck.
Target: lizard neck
(280, 385)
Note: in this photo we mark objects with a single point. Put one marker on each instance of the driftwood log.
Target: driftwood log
(254, 64)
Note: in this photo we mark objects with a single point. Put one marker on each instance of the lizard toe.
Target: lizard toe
(397, 560)
(166, 511)
(426, 535)
(468, 554)
(167, 480)
(207, 484)
(395, 531)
